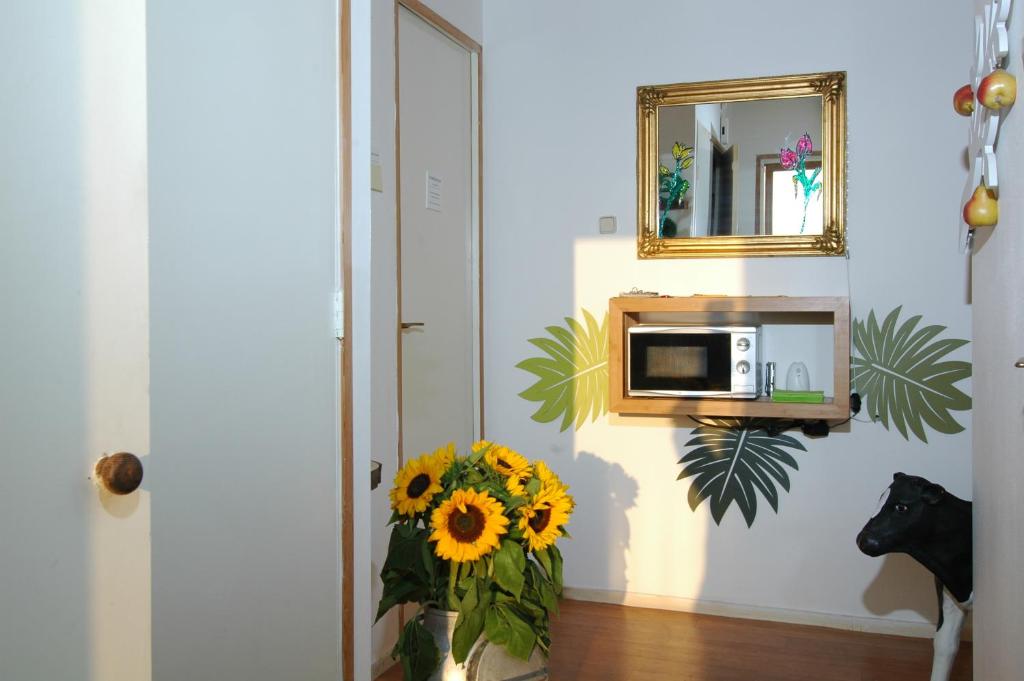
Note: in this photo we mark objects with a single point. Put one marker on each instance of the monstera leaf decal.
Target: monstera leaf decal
(572, 377)
(900, 373)
(734, 460)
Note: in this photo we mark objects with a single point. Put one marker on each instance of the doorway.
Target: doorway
(438, 157)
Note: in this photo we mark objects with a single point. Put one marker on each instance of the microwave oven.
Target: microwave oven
(679, 360)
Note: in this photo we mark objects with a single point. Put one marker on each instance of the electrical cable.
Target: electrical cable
(777, 425)
(849, 296)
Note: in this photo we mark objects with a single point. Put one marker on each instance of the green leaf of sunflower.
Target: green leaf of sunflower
(734, 460)
(509, 566)
(420, 655)
(544, 558)
(470, 621)
(556, 568)
(544, 590)
(898, 369)
(405, 552)
(533, 486)
(573, 375)
(505, 627)
(399, 591)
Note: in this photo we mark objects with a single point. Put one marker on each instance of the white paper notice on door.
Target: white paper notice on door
(433, 192)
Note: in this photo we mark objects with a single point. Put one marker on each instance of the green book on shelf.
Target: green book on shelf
(802, 396)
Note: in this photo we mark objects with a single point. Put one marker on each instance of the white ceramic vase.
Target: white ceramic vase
(485, 662)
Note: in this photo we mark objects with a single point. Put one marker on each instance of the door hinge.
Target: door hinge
(339, 315)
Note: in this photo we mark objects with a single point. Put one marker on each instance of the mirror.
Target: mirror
(742, 167)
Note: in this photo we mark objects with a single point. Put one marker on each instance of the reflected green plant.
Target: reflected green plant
(672, 187)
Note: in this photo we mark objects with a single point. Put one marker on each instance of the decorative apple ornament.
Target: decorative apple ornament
(997, 90)
(982, 209)
(963, 101)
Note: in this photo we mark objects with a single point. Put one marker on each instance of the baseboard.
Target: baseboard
(873, 625)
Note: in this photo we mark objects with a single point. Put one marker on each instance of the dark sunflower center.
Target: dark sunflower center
(540, 520)
(417, 486)
(504, 464)
(466, 527)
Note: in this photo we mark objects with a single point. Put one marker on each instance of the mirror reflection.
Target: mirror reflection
(740, 168)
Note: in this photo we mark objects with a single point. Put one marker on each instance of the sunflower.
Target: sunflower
(467, 525)
(416, 484)
(506, 461)
(541, 520)
(547, 477)
(444, 456)
(516, 484)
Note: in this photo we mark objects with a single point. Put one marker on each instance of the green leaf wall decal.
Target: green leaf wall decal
(572, 376)
(900, 373)
(734, 460)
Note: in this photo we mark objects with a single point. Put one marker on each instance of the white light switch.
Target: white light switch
(606, 224)
(433, 192)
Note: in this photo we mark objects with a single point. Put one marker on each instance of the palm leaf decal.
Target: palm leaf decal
(899, 372)
(734, 460)
(572, 376)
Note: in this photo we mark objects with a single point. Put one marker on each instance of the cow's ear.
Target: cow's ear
(932, 493)
(897, 476)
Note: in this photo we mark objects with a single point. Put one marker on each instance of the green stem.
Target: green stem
(453, 571)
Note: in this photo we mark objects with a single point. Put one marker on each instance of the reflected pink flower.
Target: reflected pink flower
(788, 158)
(803, 145)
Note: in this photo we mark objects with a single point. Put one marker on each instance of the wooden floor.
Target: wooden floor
(600, 642)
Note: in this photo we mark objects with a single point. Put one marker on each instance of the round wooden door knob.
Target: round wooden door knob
(119, 473)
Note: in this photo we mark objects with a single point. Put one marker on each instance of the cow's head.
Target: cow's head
(906, 516)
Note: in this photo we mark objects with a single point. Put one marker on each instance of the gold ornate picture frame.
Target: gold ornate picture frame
(830, 86)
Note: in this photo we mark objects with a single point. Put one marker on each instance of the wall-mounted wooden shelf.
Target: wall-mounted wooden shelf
(630, 311)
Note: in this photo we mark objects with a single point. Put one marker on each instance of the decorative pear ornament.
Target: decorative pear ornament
(982, 209)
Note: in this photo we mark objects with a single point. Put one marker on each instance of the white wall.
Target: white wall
(466, 16)
(999, 422)
(560, 152)
(243, 161)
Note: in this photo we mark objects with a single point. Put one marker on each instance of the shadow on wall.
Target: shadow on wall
(902, 584)
(611, 492)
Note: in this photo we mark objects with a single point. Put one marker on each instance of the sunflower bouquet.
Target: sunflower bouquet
(475, 535)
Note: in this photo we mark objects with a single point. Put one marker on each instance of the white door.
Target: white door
(168, 263)
(74, 560)
(703, 148)
(439, 311)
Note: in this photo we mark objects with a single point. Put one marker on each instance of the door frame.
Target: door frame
(344, 344)
(438, 22)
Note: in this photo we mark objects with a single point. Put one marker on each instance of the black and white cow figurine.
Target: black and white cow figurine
(922, 519)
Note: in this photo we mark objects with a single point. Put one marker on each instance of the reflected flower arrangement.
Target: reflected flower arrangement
(797, 160)
(672, 187)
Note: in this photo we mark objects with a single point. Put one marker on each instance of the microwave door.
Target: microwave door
(678, 393)
(680, 364)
